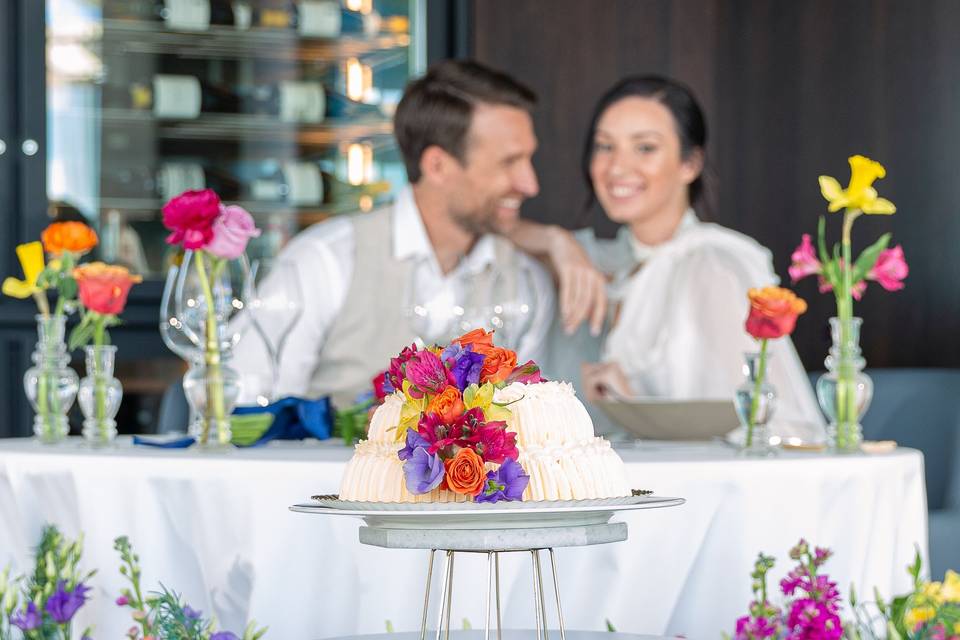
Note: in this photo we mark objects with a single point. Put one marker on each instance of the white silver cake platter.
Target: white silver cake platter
(473, 515)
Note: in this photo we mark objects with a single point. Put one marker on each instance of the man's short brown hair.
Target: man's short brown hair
(437, 108)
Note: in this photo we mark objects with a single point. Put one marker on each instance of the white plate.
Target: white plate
(472, 515)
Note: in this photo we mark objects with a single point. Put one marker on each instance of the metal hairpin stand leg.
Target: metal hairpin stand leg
(493, 591)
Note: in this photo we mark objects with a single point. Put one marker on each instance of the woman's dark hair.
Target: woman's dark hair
(437, 109)
(675, 96)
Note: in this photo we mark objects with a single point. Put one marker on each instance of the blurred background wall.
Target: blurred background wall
(790, 90)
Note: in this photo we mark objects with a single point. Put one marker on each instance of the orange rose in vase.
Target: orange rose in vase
(773, 312)
(75, 237)
(465, 473)
(103, 287)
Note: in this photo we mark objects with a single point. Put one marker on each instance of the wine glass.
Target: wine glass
(505, 304)
(431, 311)
(275, 304)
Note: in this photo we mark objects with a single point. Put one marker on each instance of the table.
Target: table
(216, 527)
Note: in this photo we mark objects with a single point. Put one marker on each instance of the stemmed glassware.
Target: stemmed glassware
(274, 300)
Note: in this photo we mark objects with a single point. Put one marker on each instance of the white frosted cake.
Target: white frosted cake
(555, 440)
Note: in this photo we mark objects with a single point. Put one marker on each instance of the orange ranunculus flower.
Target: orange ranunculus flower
(448, 404)
(75, 237)
(104, 287)
(498, 364)
(465, 473)
(479, 338)
(773, 312)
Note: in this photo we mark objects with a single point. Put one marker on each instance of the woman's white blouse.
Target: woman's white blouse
(680, 331)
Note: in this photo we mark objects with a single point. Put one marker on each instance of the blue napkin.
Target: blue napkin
(293, 419)
(179, 441)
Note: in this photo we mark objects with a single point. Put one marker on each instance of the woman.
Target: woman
(677, 286)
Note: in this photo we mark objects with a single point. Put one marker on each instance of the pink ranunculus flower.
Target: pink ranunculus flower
(190, 216)
(232, 230)
(890, 269)
(804, 260)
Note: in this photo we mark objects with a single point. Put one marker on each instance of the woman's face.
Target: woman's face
(636, 168)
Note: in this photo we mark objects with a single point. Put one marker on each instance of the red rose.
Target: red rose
(103, 287)
(190, 216)
(773, 312)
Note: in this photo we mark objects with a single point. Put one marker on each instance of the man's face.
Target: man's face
(486, 191)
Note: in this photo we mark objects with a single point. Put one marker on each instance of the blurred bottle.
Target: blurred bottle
(305, 184)
(171, 96)
(316, 18)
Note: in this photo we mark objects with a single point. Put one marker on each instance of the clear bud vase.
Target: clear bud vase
(212, 390)
(50, 385)
(100, 395)
(758, 398)
(844, 391)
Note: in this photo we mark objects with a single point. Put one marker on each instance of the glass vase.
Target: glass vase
(758, 398)
(844, 391)
(50, 385)
(201, 297)
(100, 395)
(212, 390)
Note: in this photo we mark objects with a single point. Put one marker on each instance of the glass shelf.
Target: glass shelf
(251, 127)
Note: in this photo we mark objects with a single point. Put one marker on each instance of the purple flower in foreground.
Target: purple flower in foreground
(811, 620)
(508, 482)
(224, 635)
(122, 601)
(63, 603)
(750, 629)
(423, 471)
(190, 612)
(414, 440)
(28, 619)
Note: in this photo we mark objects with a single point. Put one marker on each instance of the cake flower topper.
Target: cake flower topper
(453, 431)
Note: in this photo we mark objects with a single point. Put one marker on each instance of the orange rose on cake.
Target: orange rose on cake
(448, 404)
(465, 474)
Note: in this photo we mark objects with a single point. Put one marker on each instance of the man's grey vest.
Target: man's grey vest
(372, 325)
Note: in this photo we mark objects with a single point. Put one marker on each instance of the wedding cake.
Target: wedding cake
(465, 423)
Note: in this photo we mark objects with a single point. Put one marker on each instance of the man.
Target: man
(373, 283)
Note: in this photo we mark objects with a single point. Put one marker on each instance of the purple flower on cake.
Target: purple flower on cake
(508, 482)
(27, 619)
(224, 635)
(64, 603)
(426, 374)
(423, 471)
(190, 612)
(464, 364)
(414, 440)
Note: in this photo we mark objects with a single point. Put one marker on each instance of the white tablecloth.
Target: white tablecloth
(216, 528)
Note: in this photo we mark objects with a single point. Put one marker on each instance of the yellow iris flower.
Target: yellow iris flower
(950, 591)
(860, 193)
(31, 261)
(409, 412)
(915, 616)
(482, 397)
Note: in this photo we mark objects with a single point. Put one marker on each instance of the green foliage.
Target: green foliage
(163, 614)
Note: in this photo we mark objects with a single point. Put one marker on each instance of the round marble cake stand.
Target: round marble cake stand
(492, 543)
